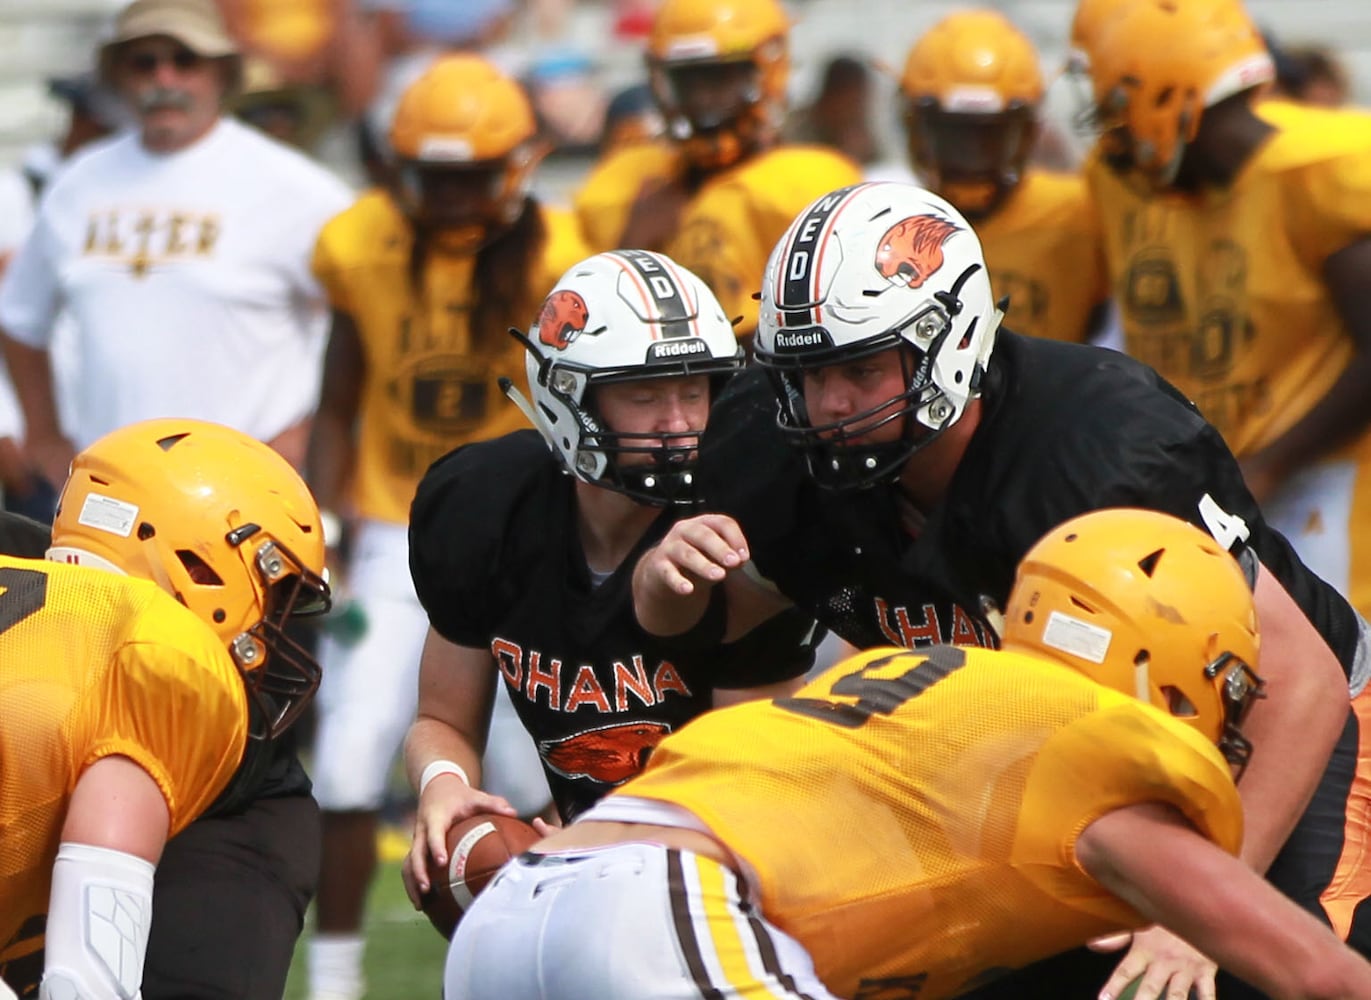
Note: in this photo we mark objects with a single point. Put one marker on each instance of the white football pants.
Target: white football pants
(625, 922)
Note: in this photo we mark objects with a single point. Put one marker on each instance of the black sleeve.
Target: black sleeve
(23, 537)
(1143, 445)
(457, 528)
(778, 649)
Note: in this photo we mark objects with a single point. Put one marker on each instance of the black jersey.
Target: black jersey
(497, 564)
(1064, 429)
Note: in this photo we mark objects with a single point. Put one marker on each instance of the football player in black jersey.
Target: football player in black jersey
(522, 551)
(906, 471)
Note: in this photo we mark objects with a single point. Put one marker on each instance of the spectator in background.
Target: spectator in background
(568, 100)
(840, 114)
(425, 280)
(632, 117)
(17, 482)
(93, 113)
(973, 95)
(320, 48)
(293, 114)
(181, 249)
(718, 193)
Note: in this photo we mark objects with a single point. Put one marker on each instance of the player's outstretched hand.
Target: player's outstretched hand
(697, 550)
(1167, 967)
(445, 801)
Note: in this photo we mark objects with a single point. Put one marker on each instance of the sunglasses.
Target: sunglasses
(146, 63)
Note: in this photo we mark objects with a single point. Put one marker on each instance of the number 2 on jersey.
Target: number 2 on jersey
(878, 695)
(22, 592)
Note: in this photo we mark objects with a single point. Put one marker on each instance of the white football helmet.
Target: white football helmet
(616, 317)
(861, 270)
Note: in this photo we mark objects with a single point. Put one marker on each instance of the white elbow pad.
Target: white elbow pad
(99, 917)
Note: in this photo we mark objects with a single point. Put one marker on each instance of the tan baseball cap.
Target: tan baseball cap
(196, 24)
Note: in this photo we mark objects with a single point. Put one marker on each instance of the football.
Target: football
(477, 847)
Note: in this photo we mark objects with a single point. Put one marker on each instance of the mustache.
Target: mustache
(164, 97)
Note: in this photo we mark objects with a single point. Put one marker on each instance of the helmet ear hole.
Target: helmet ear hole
(1178, 704)
(198, 570)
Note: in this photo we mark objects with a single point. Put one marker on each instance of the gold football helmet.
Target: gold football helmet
(718, 70)
(972, 88)
(1149, 605)
(1157, 65)
(464, 136)
(223, 524)
(1087, 24)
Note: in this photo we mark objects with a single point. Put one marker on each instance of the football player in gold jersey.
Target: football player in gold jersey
(716, 197)
(1237, 238)
(972, 90)
(1239, 243)
(919, 822)
(425, 281)
(137, 664)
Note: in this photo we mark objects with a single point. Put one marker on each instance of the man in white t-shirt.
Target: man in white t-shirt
(181, 251)
(16, 216)
(180, 248)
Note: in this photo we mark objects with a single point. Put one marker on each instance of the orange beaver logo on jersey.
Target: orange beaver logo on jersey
(612, 754)
(911, 251)
(563, 318)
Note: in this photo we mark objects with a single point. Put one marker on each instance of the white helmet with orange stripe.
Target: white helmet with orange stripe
(626, 315)
(862, 270)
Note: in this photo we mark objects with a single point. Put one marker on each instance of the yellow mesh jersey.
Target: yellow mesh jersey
(430, 385)
(728, 228)
(915, 814)
(93, 664)
(1044, 250)
(1223, 293)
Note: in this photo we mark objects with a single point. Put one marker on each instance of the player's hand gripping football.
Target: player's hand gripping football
(445, 801)
(1167, 968)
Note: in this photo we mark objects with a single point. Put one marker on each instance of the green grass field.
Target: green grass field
(404, 953)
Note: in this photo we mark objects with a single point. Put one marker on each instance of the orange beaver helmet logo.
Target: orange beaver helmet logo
(611, 754)
(911, 251)
(562, 319)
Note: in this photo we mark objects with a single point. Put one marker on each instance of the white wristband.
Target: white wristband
(441, 767)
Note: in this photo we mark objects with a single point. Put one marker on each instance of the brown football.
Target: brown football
(477, 847)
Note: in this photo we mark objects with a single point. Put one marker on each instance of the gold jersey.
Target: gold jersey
(1044, 249)
(93, 664)
(1223, 292)
(430, 383)
(912, 816)
(729, 226)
